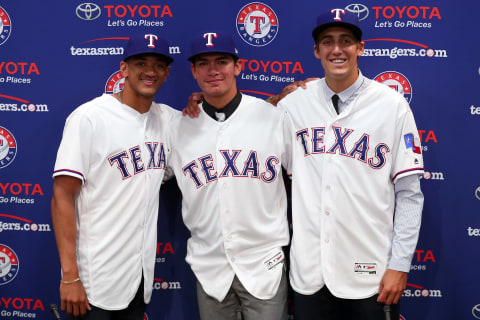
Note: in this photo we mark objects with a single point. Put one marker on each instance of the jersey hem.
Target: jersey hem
(337, 295)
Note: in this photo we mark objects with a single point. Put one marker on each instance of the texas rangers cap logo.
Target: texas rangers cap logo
(8, 147)
(397, 82)
(209, 38)
(8, 264)
(337, 14)
(257, 24)
(5, 26)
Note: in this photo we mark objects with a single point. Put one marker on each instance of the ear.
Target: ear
(124, 68)
(167, 72)
(237, 68)
(192, 67)
(360, 48)
(316, 51)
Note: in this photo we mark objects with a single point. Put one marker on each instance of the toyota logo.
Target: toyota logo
(476, 311)
(88, 11)
(477, 193)
(359, 9)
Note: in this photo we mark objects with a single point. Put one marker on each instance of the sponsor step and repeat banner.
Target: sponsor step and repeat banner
(55, 55)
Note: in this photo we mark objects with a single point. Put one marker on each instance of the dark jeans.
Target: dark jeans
(322, 305)
(134, 311)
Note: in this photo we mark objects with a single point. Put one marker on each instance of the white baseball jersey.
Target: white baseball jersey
(343, 170)
(119, 154)
(234, 201)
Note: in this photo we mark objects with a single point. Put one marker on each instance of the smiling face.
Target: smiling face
(144, 75)
(338, 50)
(215, 74)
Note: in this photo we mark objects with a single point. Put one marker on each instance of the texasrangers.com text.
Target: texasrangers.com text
(394, 53)
(17, 226)
(425, 293)
(24, 107)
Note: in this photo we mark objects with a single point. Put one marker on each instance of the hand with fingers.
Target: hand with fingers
(289, 89)
(74, 298)
(392, 286)
(192, 109)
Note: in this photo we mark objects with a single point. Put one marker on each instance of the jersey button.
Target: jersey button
(327, 213)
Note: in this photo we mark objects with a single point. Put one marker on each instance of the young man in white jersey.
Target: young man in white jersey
(356, 198)
(108, 171)
(228, 166)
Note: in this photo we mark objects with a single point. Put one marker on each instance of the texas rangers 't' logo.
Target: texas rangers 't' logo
(8, 264)
(8, 147)
(257, 24)
(5, 26)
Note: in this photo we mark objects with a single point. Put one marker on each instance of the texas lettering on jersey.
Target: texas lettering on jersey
(250, 168)
(156, 159)
(358, 151)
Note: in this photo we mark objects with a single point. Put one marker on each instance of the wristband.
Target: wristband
(69, 282)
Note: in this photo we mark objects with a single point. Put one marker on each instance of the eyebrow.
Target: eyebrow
(343, 35)
(220, 57)
(146, 56)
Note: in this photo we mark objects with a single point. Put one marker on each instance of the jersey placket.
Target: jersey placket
(144, 138)
(222, 186)
(329, 207)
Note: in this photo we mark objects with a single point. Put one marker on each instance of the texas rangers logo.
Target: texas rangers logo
(338, 14)
(397, 82)
(5, 26)
(8, 264)
(8, 147)
(115, 83)
(257, 24)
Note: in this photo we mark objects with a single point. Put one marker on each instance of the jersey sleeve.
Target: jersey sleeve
(408, 154)
(169, 173)
(174, 117)
(73, 155)
(287, 140)
(408, 217)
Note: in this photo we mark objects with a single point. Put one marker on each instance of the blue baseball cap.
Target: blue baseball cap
(147, 43)
(337, 18)
(213, 42)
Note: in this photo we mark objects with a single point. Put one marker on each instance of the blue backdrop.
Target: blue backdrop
(55, 55)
